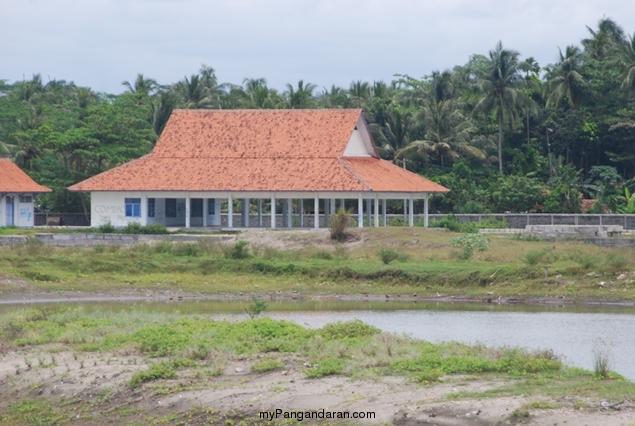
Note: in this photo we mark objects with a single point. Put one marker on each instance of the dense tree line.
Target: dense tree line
(502, 132)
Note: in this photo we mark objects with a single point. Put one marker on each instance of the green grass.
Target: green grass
(508, 267)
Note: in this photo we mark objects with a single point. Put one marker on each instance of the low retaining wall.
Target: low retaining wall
(89, 240)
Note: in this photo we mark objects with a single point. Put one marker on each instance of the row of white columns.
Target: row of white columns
(330, 205)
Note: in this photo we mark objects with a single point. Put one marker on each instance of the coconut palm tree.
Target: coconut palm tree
(500, 93)
(302, 97)
(193, 93)
(564, 79)
(448, 134)
(625, 54)
(142, 86)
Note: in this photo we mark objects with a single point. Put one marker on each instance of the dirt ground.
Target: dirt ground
(96, 386)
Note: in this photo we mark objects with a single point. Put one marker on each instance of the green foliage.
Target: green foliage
(348, 330)
(186, 249)
(106, 228)
(470, 243)
(267, 365)
(256, 307)
(534, 257)
(240, 250)
(161, 370)
(451, 223)
(325, 367)
(387, 256)
(338, 224)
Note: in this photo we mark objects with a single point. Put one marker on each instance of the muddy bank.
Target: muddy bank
(96, 389)
(13, 293)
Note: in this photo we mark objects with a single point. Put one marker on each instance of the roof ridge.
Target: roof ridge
(351, 171)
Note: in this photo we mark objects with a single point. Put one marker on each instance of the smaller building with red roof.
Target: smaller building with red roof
(17, 191)
(300, 163)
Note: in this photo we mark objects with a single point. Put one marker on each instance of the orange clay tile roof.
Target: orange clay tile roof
(258, 150)
(13, 179)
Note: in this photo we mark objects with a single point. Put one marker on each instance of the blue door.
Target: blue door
(9, 205)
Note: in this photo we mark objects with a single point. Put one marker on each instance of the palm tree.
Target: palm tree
(564, 80)
(334, 98)
(601, 43)
(193, 93)
(359, 93)
(625, 53)
(448, 134)
(258, 95)
(500, 94)
(142, 86)
(302, 97)
(161, 109)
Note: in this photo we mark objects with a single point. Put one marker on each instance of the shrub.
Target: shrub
(534, 257)
(134, 228)
(397, 221)
(161, 370)
(186, 249)
(387, 256)
(469, 243)
(266, 366)
(325, 367)
(601, 360)
(156, 228)
(451, 223)
(240, 250)
(106, 228)
(338, 224)
(348, 329)
(255, 308)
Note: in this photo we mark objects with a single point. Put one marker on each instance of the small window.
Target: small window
(196, 207)
(26, 199)
(170, 207)
(133, 207)
(211, 206)
(151, 205)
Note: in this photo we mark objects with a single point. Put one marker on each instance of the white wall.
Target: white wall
(356, 146)
(23, 213)
(110, 207)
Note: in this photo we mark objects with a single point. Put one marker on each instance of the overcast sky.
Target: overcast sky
(100, 43)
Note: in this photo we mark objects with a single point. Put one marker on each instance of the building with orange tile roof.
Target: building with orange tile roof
(208, 157)
(17, 191)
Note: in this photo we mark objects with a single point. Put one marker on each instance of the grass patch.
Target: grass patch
(268, 365)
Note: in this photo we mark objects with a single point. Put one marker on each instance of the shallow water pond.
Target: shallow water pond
(570, 331)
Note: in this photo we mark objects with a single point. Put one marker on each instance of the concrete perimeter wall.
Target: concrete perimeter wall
(89, 240)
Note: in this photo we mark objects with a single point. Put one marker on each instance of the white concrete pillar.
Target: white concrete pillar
(376, 211)
(230, 212)
(244, 212)
(342, 204)
(327, 202)
(360, 212)
(273, 212)
(217, 218)
(316, 212)
(301, 212)
(260, 212)
(369, 212)
(289, 213)
(411, 216)
(425, 211)
(205, 211)
(144, 209)
(188, 207)
(332, 205)
(384, 220)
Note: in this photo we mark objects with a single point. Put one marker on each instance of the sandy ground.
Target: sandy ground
(101, 382)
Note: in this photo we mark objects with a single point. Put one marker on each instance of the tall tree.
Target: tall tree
(302, 97)
(564, 79)
(500, 93)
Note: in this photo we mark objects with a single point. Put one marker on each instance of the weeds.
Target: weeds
(387, 256)
(601, 360)
(268, 365)
(469, 243)
(255, 308)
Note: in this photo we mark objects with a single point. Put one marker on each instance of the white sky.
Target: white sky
(100, 43)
